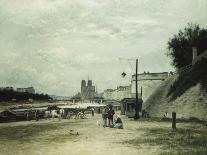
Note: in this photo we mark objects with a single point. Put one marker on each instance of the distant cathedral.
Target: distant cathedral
(88, 91)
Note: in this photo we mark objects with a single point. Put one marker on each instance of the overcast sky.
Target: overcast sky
(54, 44)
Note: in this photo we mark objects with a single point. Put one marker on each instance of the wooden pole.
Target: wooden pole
(137, 98)
(174, 120)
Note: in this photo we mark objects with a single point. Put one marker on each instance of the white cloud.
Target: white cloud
(53, 44)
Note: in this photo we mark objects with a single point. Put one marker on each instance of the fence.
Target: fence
(184, 69)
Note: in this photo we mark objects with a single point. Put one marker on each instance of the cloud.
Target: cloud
(54, 44)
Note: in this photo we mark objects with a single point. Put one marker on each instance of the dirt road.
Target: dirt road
(81, 137)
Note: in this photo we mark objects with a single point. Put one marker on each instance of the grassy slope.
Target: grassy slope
(185, 93)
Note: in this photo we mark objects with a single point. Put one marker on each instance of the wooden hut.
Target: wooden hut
(128, 106)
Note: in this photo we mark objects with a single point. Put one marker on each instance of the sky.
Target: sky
(54, 44)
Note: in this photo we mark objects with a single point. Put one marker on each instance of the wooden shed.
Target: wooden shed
(128, 106)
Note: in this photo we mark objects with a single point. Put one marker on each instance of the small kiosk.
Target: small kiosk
(128, 106)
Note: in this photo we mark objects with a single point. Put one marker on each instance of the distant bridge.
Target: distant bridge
(150, 76)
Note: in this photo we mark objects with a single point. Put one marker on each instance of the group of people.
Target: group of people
(108, 118)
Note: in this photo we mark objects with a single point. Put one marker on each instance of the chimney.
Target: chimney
(195, 52)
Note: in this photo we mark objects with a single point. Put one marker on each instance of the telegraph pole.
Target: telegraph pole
(137, 97)
(136, 116)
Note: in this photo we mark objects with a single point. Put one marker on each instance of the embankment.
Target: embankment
(184, 93)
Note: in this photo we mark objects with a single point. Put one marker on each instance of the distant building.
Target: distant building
(150, 76)
(7, 88)
(26, 90)
(147, 83)
(117, 94)
(88, 91)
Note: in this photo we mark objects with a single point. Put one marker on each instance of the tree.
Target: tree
(180, 46)
(8, 95)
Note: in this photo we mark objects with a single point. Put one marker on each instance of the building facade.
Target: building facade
(118, 94)
(147, 83)
(6, 88)
(26, 90)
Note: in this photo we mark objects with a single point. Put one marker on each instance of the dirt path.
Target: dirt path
(94, 139)
(76, 137)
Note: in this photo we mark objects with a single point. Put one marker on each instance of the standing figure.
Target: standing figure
(62, 113)
(26, 115)
(92, 112)
(110, 116)
(54, 114)
(99, 110)
(59, 112)
(37, 115)
(104, 116)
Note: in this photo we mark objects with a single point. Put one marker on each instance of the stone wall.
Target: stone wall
(148, 87)
(117, 94)
(193, 103)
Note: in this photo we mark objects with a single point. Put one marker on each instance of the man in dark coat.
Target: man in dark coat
(110, 116)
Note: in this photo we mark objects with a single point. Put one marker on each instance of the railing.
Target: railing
(189, 67)
(181, 70)
(184, 69)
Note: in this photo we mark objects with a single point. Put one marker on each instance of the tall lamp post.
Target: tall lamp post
(137, 97)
